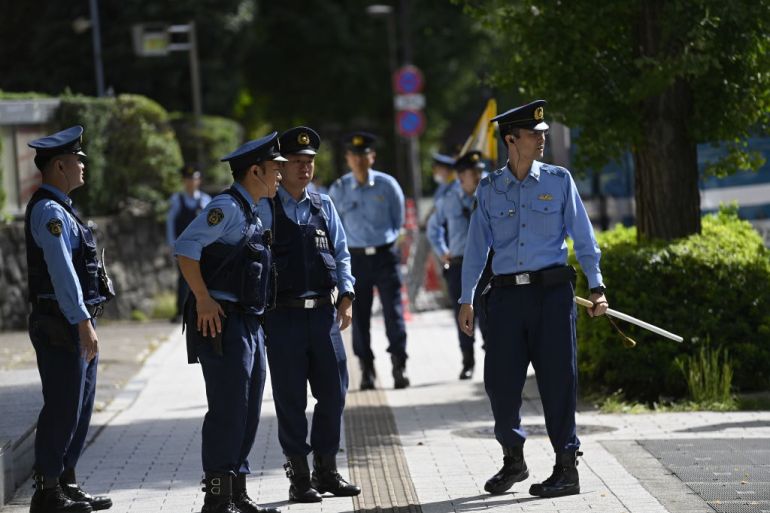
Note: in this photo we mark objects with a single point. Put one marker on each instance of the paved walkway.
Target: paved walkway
(145, 443)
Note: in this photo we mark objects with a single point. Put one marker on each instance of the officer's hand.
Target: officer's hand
(344, 313)
(445, 260)
(465, 319)
(89, 344)
(209, 320)
(600, 305)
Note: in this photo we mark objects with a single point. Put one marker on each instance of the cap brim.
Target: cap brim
(278, 159)
(541, 126)
(80, 153)
(308, 151)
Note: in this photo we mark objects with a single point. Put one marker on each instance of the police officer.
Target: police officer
(184, 206)
(303, 332)
(447, 232)
(63, 279)
(443, 174)
(525, 211)
(225, 257)
(371, 206)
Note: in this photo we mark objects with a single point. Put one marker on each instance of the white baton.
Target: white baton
(633, 320)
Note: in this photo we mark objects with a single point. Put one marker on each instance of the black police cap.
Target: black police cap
(360, 142)
(189, 171)
(470, 160)
(528, 116)
(443, 160)
(253, 152)
(67, 141)
(300, 140)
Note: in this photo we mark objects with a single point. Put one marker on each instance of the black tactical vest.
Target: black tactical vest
(186, 214)
(304, 254)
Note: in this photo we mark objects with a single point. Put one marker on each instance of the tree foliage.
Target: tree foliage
(645, 75)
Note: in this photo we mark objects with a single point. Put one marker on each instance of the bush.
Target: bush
(709, 376)
(132, 151)
(219, 136)
(714, 286)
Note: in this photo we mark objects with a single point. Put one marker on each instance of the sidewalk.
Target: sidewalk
(427, 448)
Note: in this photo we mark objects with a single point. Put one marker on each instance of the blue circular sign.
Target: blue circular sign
(408, 80)
(410, 123)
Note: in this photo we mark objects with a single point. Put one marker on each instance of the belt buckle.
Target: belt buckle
(309, 303)
(370, 250)
(522, 279)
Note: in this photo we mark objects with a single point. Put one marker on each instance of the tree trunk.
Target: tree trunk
(665, 160)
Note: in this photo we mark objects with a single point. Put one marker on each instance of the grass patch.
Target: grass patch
(164, 305)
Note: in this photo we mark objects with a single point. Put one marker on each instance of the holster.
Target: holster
(194, 337)
(57, 331)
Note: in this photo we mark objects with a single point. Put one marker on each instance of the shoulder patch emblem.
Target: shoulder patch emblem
(215, 216)
(545, 197)
(54, 226)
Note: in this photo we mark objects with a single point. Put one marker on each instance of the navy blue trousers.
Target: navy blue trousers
(235, 382)
(381, 271)
(69, 388)
(453, 277)
(532, 323)
(182, 289)
(306, 346)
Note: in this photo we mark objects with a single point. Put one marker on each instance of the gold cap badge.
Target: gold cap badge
(358, 140)
(303, 139)
(539, 114)
(475, 157)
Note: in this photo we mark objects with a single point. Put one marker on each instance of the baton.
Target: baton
(633, 320)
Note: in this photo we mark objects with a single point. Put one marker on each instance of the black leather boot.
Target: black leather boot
(514, 470)
(242, 500)
(50, 498)
(69, 486)
(299, 474)
(469, 362)
(563, 481)
(367, 374)
(219, 493)
(400, 379)
(325, 478)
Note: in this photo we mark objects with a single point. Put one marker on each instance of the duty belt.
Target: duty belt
(47, 306)
(307, 304)
(371, 250)
(550, 276)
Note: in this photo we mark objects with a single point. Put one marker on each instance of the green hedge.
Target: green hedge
(712, 288)
(132, 151)
(219, 136)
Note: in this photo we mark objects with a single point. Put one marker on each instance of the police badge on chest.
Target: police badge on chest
(321, 241)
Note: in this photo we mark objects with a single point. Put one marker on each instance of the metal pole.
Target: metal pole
(195, 79)
(393, 59)
(413, 142)
(97, 43)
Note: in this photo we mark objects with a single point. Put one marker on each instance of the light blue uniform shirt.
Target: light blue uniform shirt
(299, 213)
(372, 213)
(57, 251)
(175, 205)
(230, 230)
(450, 216)
(526, 223)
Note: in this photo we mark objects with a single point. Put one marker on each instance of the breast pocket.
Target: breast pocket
(546, 217)
(503, 220)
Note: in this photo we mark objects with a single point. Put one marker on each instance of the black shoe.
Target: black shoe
(49, 498)
(563, 481)
(219, 493)
(325, 478)
(69, 486)
(299, 474)
(368, 374)
(514, 470)
(400, 379)
(242, 500)
(469, 362)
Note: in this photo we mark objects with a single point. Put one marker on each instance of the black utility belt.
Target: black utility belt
(47, 306)
(546, 277)
(371, 250)
(233, 306)
(307, 304)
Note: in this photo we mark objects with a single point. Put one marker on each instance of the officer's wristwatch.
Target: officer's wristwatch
(348, 294)
(598, 290)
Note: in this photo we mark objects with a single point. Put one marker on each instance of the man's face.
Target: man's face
(359, 162)
(530, 144)
(298, 171)
(441, 173)
(272, 176)
(469, 179)
(72, 167)
(192, 184)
